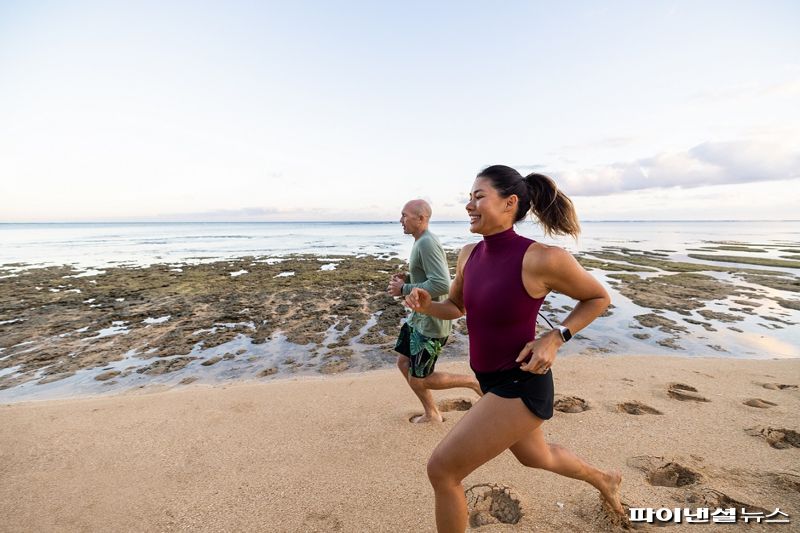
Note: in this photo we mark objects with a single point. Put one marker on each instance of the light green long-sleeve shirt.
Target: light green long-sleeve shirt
(428, 270)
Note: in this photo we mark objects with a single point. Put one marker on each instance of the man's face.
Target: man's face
(410, 220)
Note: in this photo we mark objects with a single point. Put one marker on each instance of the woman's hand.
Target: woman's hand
(542, 353)
(418, 300)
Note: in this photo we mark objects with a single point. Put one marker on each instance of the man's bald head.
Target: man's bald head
(415, 217)
(420, 208)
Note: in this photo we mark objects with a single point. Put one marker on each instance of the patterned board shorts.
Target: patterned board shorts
(421, 350)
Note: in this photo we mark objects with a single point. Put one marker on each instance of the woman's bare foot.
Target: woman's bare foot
(422, 419)
(609, 488)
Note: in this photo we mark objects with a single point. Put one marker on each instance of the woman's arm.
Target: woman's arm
(420, 300)
(549, 268)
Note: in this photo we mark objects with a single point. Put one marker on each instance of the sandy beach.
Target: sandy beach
(215, 219)
(338, 453)
(260, 394)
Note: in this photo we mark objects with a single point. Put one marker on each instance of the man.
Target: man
(422, 337)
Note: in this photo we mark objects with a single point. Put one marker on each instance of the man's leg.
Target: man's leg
(424, 395)
(444, 380)
(403, 363)
(432, 413)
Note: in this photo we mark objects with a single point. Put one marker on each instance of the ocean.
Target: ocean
(95, 245)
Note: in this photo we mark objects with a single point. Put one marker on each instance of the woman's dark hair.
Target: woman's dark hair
(536, 193)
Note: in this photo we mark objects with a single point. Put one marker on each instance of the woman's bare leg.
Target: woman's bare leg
(533, 451)
(490, 427)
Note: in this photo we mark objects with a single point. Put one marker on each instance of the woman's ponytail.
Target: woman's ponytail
(538, 194)
(553, 208)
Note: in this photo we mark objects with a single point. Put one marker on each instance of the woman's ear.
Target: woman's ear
(511, 202)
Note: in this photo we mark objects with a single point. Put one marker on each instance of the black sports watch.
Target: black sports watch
(565, 333)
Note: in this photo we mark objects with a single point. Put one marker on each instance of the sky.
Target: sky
(240, 111)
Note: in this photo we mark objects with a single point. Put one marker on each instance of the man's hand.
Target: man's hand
(395, 287)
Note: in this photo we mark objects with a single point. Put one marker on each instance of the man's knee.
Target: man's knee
(403, 363)
(417, 383)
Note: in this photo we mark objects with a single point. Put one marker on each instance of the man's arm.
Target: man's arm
(453, 307)
(434, 263)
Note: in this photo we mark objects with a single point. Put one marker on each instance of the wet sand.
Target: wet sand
(338, 454)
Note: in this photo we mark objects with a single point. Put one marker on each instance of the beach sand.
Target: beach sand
(339, 454)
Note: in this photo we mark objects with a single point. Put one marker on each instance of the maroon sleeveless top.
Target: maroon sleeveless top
(501, 315)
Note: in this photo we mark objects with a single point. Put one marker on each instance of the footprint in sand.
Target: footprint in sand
(713, 499)
(445, 406)
(786, 480)
(777, 438)
(455, 404)
(491, 503)
(685, 393)
(321, 523)
(777, 386)
(571, 404)
(663, 473)
(637, 408)
(758, 402)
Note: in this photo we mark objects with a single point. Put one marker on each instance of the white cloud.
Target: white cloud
(766, 200)
(750, 91)
(710, 163)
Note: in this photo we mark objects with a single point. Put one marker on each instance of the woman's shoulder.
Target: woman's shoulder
(546, 256)
(466, 251)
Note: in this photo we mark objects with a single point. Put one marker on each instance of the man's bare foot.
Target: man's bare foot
(423, 419)
(609, 488)
(476, 387)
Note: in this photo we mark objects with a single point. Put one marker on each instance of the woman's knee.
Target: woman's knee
(439, 472)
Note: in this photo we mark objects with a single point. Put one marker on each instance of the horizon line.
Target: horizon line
(371, 221)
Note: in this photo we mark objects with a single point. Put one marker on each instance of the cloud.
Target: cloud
(458, 200)
(527, 169)
(710, 163)
(607, 142)
(750, 91)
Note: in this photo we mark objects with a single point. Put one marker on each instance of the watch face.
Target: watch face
(566, 334)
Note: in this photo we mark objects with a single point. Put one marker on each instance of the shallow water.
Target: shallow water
(769, 332)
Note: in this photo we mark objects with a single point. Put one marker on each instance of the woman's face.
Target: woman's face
(488, 212)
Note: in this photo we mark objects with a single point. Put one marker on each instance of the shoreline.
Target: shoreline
(261, 316)
(337, 453)
(444, 360)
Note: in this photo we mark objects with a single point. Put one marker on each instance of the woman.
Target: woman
(500, 284)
